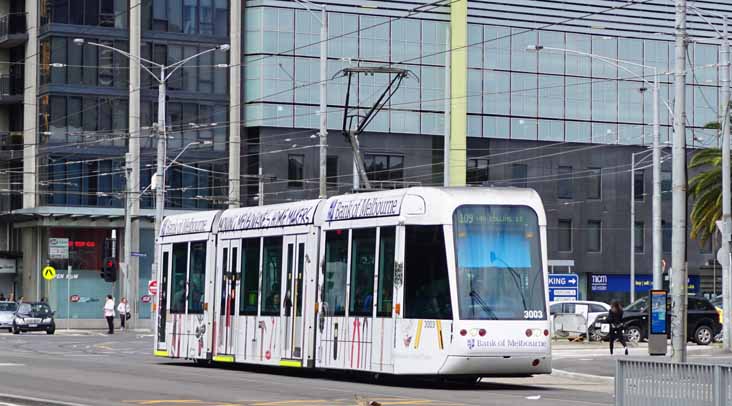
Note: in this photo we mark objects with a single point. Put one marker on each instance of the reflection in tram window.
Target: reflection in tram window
(363, 251)
(178, 281)
(224, 272)
(288, 286)
(197, 278)
(271, 273)
(426, 286)
(249, 288)
(386, 271)
(336, 265)
(499, 270)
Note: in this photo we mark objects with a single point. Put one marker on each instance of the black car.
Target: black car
(34, 317)
(702, 321)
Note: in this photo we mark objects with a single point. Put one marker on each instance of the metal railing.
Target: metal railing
(10, 85)
(650, 383)
(11, 24)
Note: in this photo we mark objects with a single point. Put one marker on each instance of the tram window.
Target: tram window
(336, 266)
(288, 286)
(178, 282)
(300, 272)
(224, 272)
(426, 286)
(249, 289)
(197, 278)
(387, 241)
(271, 276)
(363, 251)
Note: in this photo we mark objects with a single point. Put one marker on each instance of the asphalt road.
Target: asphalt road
(120, 370)
(595, 358)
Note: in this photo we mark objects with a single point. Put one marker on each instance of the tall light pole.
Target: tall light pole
(679, 277)
(656, 202)
(323, 20)
(166, 71)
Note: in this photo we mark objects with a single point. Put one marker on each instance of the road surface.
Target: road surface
(96, 369)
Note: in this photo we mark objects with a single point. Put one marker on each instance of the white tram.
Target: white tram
(418, 281)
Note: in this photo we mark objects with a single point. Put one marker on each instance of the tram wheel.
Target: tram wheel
(202, 362)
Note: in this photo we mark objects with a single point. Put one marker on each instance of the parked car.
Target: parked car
(34, 317)
(702, 321)
(589, 309)
(7, 312)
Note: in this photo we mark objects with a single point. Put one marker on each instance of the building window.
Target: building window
(477, 171)
(666, 184)
(666, 236)
(519, 173)
(594, 236)
(331, 171)
(638, 237)
(384, 168)
(565, 235)
(639, 185)
(295, 173)
(594, 183)
(564, 183)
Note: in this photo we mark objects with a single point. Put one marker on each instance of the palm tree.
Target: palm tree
(706, 190)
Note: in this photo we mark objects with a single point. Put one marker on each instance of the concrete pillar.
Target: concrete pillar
(28, 280)
(30, 109)
(458, 91)
(235, 104)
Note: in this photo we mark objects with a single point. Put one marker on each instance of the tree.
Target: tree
(706, 190)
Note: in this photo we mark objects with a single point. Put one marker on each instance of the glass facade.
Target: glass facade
(83, 105)
(512, 93)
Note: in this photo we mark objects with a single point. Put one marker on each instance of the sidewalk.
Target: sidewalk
(99, 332)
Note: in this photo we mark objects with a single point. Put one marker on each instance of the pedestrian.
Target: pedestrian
(615, 318)
(123, 309)
(2, 297)
(109, 313)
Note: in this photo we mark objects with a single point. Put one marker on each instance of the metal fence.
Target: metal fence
(650, 383)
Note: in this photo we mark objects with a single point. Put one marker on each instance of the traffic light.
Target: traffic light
(109, 270)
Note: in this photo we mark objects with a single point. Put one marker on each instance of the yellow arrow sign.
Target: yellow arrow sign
(49, 273)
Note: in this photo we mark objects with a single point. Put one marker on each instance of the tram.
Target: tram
(416, 281)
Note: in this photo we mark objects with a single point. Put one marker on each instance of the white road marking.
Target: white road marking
(10, 364)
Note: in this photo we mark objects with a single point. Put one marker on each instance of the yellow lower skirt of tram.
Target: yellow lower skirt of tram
(290, 363)
(160, 353)
(223, 358)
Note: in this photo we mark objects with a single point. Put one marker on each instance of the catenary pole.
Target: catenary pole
(726, 195)
(323, 115)
(678, 237)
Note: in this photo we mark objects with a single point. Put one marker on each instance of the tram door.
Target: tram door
(227, 284)
(292, 304)
(162, 299)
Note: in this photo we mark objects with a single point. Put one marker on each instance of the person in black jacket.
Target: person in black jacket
(615, 318)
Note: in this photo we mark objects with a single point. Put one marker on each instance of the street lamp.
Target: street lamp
(323, 20)
(166, 71)
(656, 223)
(726, 229)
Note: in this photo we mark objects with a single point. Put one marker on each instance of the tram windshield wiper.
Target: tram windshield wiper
(514, 274)
(476, 297)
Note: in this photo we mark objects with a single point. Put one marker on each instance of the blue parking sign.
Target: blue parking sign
(563, 287)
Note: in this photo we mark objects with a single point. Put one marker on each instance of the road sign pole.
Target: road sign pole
(68, 297)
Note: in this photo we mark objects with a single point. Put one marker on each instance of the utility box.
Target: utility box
(658, 323)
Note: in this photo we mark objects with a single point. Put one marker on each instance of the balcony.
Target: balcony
(11, 89)
(11, 145)
(12, 30)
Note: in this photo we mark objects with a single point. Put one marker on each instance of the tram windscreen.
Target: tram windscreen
(499, 270)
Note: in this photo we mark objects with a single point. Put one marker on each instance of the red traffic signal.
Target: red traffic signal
(109, 270)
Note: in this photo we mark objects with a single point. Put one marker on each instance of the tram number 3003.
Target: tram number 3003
(533, 314)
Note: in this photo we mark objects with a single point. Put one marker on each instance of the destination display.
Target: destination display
(187, 224)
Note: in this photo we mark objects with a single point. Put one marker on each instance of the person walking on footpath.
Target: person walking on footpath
(109, 313)
(123, 309)
(615, 318)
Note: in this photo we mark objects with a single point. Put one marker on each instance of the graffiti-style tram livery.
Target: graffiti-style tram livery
(426, 281)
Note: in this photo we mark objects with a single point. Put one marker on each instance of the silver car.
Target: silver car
(7, 312)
